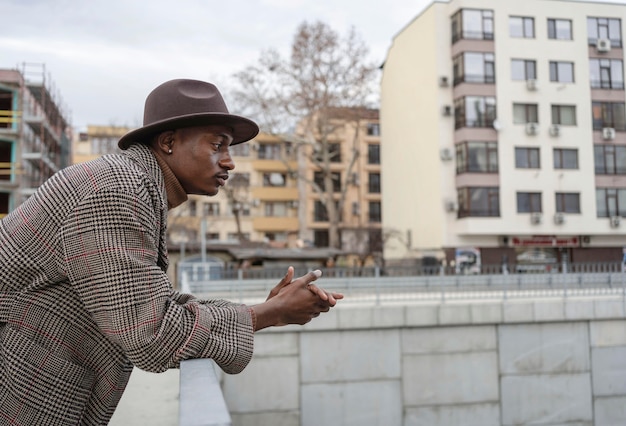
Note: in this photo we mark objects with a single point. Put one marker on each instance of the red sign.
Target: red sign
(545, 241)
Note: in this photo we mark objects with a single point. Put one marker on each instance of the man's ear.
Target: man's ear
(163, 142)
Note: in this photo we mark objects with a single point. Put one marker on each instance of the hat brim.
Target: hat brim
(243, 129)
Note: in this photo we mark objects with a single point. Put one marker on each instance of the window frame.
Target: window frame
(467, 208)
(556, 72)
(533, 201)
(524, 20)
(562, 205)
(556, 112)
(529, 158)
(553, 31)
(463, 157)
(529, 74)
(559, 161)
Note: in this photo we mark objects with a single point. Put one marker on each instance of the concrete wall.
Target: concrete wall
(543, 362)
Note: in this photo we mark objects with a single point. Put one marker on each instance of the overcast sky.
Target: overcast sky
(104, 56)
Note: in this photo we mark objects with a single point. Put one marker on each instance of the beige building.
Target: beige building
(96, 141)
(34, 133)
(504, 131)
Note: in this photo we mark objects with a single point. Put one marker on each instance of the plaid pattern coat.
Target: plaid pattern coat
(84, 295)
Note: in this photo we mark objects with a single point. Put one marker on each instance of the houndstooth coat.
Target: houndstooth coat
(84, 295)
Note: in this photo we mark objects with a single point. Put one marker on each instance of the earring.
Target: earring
(169, 151)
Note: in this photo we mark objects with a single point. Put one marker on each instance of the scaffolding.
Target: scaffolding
(34, 133)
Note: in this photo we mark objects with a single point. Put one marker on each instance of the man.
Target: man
(84, 294)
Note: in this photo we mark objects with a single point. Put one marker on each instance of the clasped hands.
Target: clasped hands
(294, 301)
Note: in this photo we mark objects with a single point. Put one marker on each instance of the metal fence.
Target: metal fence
(375, 285)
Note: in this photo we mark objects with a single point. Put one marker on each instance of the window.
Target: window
(233, 236)
(567, 202)
(474, 111)
(211, 209)
(562, 72)
(474, 24)
(320, 213)
(523, 69)
(6, 160)
(212, 236)
(611, 202)
(605, 28)
(240, 150)
(609, 114)
(278, 208)
(240, 180)
(320, 238)
(610, 159)
(606, 73)
(525, 113)
(334, 153)
(521, 27)
(375, 211)
(274, 179)
(191, 207)
(318, 178)
(373, 154)
(374, 183)
(565, 158)
(477, 157)
(5, 199)
(269, 151)
(479, 201)
(560, 29)
(527, 158)
(529, 202)
(373, 129)
(565, 115)
(474, 67)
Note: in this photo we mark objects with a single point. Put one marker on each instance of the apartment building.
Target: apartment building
(354, 164)
(504, 130)
(35, 133)
(270, 196)
(96, 140)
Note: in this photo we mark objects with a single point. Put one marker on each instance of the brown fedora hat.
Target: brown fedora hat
(186, 103)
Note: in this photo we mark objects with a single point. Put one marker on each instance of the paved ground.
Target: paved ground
(149, 399)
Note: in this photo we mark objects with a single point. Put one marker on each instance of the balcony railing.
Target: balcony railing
(201, 399)
(607, 84)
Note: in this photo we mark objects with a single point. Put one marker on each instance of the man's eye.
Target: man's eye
(218, 146)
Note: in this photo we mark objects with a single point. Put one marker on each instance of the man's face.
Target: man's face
(200, 158)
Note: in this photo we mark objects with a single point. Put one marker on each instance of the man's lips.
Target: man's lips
(221, 179)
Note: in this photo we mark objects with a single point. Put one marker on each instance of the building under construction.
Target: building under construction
(35, 133)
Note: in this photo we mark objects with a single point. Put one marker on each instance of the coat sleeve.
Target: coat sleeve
(110, 252)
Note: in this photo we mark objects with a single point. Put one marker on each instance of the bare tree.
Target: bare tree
(238, 192)
(309, 99)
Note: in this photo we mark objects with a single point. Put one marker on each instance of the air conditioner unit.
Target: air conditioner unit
(452, 206)
(446, 111)
(615, 221)
(535, 218)
(293, 204)
(256, 202)
(608, 133)
(532, 128)
(531, 84)
(443, 81)
(555, 130)
(445, 154)
(603, 45)
(559, 218)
